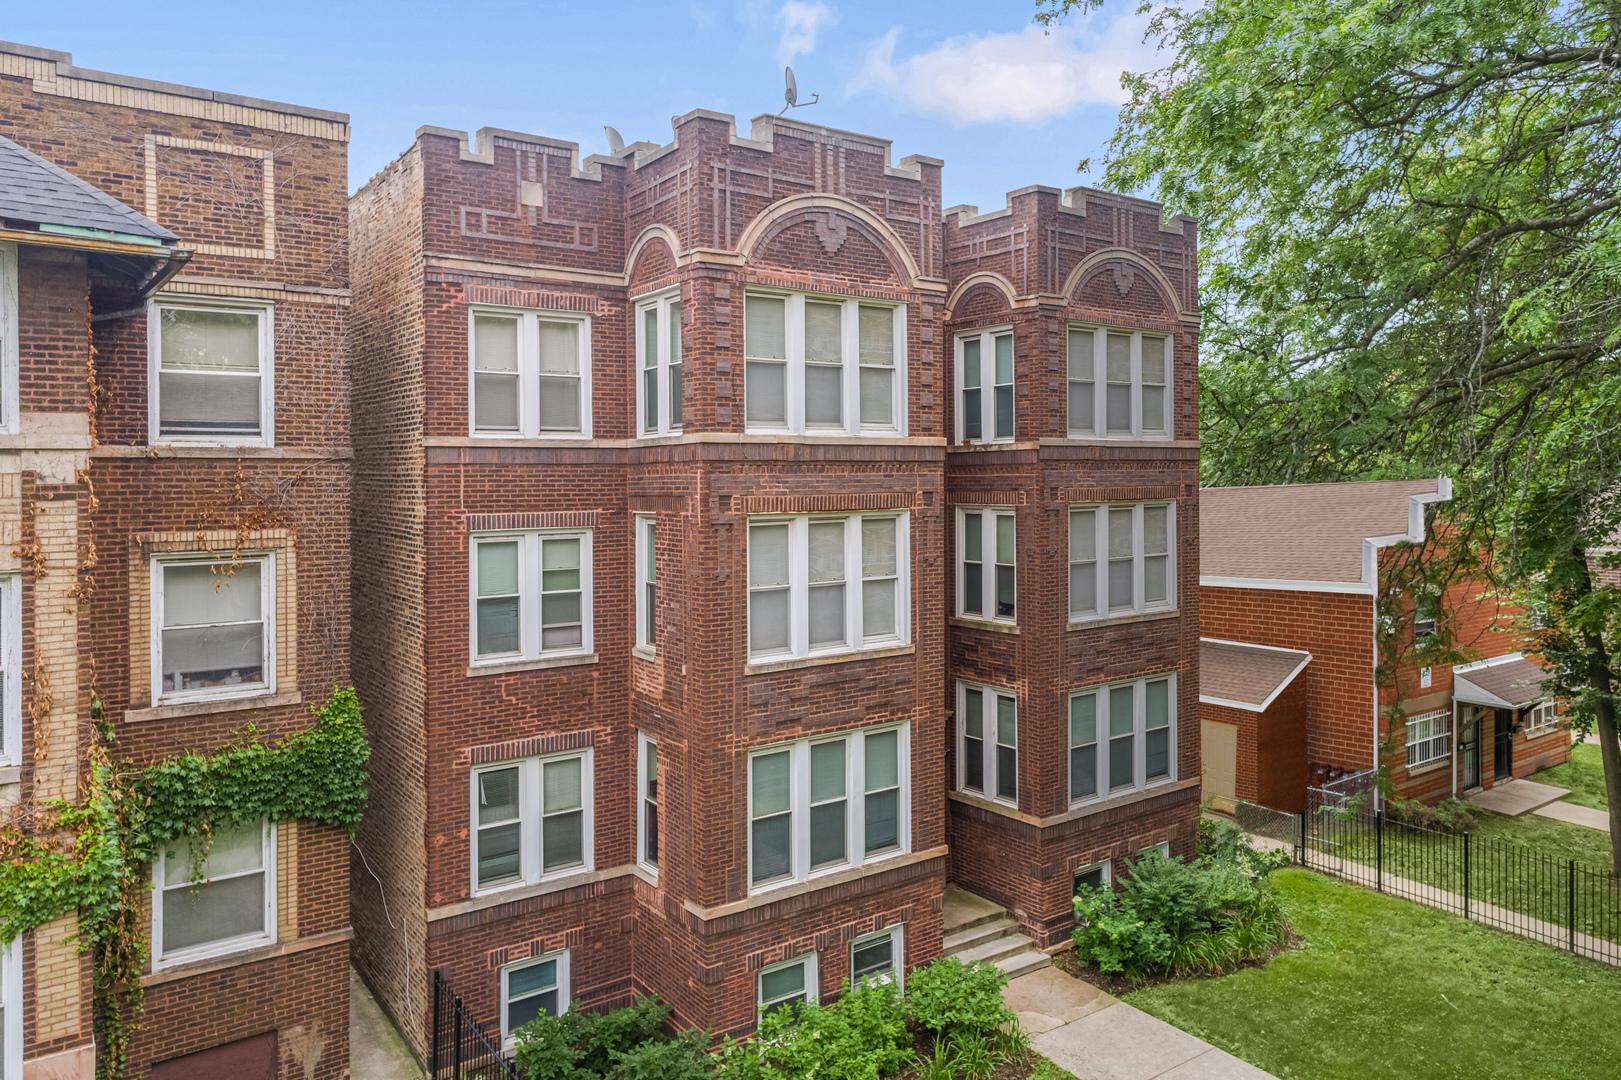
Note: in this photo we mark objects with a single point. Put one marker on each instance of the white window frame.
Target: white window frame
(1163, 847)
(990, 743)
(659, 302)
(645, 743)
(855, 774)
(531, 805)
(11, 668)
(1099, 428)
(794, 374)
(508, 1042)
(646, 553)
(1106, 786)
(987, 383)
(1431, 748)
(811, 980)
(9, 388)
(1100, 552)
(529, 320)
(266, 313)
(988, 563)
(855, 639)
(267, 610)
(11, 996)
(224, 946)
(529, 595)
(1541, 718)
(1105, 865)
(897, 973)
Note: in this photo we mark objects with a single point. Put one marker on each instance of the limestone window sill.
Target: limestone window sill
(644, 652)
(799, 662)
(1118, 620)
(984, 624)
(545, 663)
(210, 706)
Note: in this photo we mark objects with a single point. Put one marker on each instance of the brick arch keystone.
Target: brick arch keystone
(840, 214)
(1134, 263)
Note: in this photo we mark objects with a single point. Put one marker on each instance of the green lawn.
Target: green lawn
(1387, 989)
(1583, 774)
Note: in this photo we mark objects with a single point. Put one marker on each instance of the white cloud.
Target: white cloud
(800, 24)
(1027, 76)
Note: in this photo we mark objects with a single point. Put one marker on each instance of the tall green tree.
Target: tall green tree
(1411, 261)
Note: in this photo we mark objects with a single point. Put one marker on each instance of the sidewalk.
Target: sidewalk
(1098, 1037)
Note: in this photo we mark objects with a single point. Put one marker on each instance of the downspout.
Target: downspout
(1454, 740)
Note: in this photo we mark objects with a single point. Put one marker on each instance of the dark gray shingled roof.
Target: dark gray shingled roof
(34, 190)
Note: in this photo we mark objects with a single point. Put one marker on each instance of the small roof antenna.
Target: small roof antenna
(791, 95)
(616, 142)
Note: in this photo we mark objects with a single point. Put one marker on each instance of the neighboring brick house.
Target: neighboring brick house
(717, 508)
(1290, 576)
(174, 525)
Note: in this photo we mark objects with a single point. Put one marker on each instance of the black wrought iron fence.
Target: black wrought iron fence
(462, 1049)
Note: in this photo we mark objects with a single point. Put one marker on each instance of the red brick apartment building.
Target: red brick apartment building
(1290, 577)
(174, 400)
(751, 546)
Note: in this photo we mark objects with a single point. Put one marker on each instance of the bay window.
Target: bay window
(1119, 383)
(1122, 737)
(1135, 572)
(211, 377)
(985, 385)
(531, 373)
(988, 742)
(532, 820)
(987, 564)
(823, 364)
(531, 595)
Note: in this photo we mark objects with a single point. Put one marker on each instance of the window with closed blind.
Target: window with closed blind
(531, 373)
(827, 584)
(826, 365)
(1122, 737)
(532, 820)
(1121, 559)
(816, 806)
(531, 595)
(211, 376)
(225, 904)
(214, 627)
(1119, 383)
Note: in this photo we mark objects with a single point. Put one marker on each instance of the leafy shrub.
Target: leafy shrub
(1224, 842)
(861, 1036)
(949, 994)
(684, 1057)
(582, 1045)
(1111, 934)
(1451, 815)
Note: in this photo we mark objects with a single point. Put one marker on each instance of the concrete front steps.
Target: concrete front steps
(979, 929)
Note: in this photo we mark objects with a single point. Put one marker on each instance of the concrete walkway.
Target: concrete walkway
(376, 1050)
(1098, 1037)
(1511, 798)
(1576, 815)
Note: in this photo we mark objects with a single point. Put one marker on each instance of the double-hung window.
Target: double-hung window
(988, 742)
(987, 578)
(879, 957)
(1426, 616)
(531, 373)
(786, 985)
(531, 989)
(1122, 737)
(647, 797)
(224, 903)
(532, 820)
(827, 584)
(214, 622)
(820, 805)
(823, 365)
(985, 385)
(646, 583)
(1120, 559)
(1429, 737)
(1541, 719)
(531, 595)
(1119, 383)
(211, 377)
(659, 396)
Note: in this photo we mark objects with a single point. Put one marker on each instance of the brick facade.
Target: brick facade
(256, 192)
(517, 222)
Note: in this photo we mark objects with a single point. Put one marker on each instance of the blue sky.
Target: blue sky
(973, 83)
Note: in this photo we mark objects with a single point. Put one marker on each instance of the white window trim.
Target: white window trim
(267, 366)
(1541, 718)
(1106, 865)
(11, 992)
(529, 320)
(1163, 847)
(811, 980)
(897, 935)
(854, 614)
(646, 645)
(11, 720)
(661, 301)
(267, 610)
(855, 785)
(529, 584)
(987, 383)
(989, 743)
(1100, 561)
(1139, 721)
(226, 945)
(1439, 745)
(9, 388)
(643, 743)
(508, 1042)
(794, 369)
(531, 804)
(1100, 426)
(988, 516)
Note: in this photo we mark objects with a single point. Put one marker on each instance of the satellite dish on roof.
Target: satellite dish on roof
(616, 142)
(791, 94)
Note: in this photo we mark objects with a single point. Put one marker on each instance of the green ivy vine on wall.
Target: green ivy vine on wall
(95, 858)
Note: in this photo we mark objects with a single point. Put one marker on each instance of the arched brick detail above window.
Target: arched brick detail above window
(846, 238)
(1125, 275)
